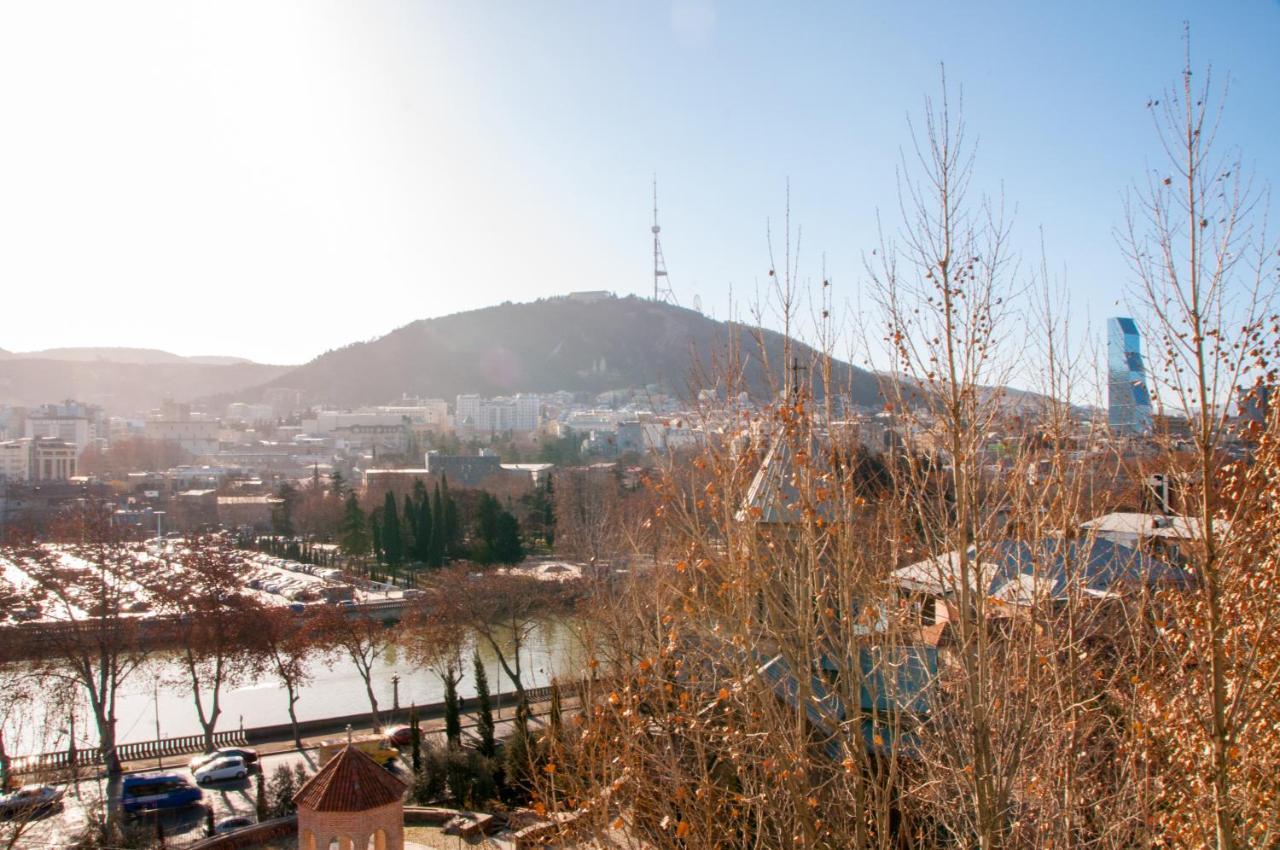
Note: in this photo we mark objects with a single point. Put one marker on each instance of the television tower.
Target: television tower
(661, 283)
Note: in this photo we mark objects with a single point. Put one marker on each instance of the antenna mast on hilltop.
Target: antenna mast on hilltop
(661, 284)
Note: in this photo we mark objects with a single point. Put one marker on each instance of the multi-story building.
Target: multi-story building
(249, 414)
(15, 460)
(38, 459)
(199, 437)
(476, 415)
(71, 421)
(1128, 399)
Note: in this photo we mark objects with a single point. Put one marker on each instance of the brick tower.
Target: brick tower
(351, 804)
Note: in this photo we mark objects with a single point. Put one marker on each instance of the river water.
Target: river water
(335, 689)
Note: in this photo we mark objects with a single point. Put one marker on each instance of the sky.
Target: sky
(275, 179)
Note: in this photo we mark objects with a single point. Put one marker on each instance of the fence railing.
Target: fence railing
(62, 760)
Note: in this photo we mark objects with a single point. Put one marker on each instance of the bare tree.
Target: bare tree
(198, 590)
(86, 588)
(361, 638)
(1205, 268)
(282, 644)
(500, 609)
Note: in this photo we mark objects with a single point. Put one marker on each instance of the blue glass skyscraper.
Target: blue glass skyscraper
(1128, 400)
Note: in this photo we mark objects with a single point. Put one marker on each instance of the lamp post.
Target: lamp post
(395, 692)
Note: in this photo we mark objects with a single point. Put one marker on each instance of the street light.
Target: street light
(395, 692)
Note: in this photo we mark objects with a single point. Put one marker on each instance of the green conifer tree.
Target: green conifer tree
(438, 529)
(484, 709)
(507, 547)
(452, 708)
(392, 541)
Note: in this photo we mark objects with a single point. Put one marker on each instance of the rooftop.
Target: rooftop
(350, 782)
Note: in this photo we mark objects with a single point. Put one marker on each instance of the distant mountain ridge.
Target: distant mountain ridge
(123, 388)
(554, 344)
(119, 355)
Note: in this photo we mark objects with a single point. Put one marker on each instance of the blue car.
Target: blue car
(152, 791)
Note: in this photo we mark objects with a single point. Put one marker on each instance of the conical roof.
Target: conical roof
(350, 782)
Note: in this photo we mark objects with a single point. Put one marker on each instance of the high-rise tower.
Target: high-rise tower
(1128, 400)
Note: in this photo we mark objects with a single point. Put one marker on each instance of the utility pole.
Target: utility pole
(159, 749)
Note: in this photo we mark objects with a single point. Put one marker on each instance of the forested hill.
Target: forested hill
(548, 345)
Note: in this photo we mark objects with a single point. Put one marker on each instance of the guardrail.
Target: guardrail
(61, 760)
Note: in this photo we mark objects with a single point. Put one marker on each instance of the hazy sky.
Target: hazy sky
(274, 179)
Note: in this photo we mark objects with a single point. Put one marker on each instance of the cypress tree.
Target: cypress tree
(415, 739)
(375, 528)
(425, 530)
(450, 516)
(486, 531)
(484, 709)
(555, 719)
(507, 547)
(410, 529)
(452, 709)
(391, 539)
(437, 531)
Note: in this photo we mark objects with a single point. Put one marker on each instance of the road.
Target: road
(82, 804)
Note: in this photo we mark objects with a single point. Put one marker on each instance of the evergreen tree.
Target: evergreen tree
(353, 534)
(423, 528)
(409, 525)
(337, 485)
(452, 708)
(282, 513)
(518, 748)
(486, 529)
(260, 801)
(549, 514)
(555, 718)
(375, 529)
(392, 542)
(484, 709)
(450, 516)
(415, 738)
(438, 530)
(506, 547)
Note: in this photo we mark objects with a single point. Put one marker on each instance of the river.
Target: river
(335, 689)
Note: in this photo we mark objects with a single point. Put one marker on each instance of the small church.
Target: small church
(351, 804)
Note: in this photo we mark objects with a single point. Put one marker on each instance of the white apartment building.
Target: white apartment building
(38, 459)
(249, 414)
(522, 412)
(196, 436)
(77, 430)
(15, 460)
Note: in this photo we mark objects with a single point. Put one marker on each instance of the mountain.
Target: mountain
(578, 344)
(118, 355)
(123, 388)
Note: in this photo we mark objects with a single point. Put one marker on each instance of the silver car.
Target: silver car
(30, 799)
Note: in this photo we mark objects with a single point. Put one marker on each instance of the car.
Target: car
(297, 607)
(250, 757)
(399, 735)
(221, 769)
(30, 800)
(232, 824)
(142, 792)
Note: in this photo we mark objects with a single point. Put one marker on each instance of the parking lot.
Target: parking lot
(266, 579)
